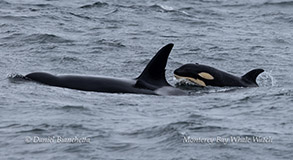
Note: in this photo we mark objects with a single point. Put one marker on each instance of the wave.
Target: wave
(208, 128)
(159, 7)
(193, 122)
(173, 133)
(44, 127)
(118, 146)
(69, 108)
(95, 5)
(17, 18)
(2, 2)
(42, 5)
(112, 43)
(80, 16)
(45, 38)
(66, 59)
(12, 36)
(284, 92)
(154, 7)
(34, 130)
(257, 4)
(163, 130)
(9, 126)
(286, 19)
(234, 5)
(281, 4)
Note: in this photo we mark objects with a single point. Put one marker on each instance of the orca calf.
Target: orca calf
(203, 75)
(151, 81)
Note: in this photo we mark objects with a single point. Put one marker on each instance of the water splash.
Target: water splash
(266, 80)
(15, 78)
(183, 82)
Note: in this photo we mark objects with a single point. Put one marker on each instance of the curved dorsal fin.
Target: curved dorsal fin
(252, 75)
(154, 72)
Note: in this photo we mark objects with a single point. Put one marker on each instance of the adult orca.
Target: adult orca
(151, 81)
(203, 75)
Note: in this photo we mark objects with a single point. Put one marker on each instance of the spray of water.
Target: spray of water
(266, 79)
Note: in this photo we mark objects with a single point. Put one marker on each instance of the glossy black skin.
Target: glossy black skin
(87, 83)
(221, 78)
(151, 81)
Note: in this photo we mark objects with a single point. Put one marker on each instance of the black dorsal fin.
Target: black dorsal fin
(252, 75)
(154, 72)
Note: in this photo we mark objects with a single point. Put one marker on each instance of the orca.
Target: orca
(151, 81)
(203, 75)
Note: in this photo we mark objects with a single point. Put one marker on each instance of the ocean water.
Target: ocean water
(118, 38)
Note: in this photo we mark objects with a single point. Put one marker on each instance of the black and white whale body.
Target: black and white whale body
(203, 75)
(151, 81)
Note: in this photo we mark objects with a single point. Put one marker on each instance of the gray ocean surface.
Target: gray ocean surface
(118, 38)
